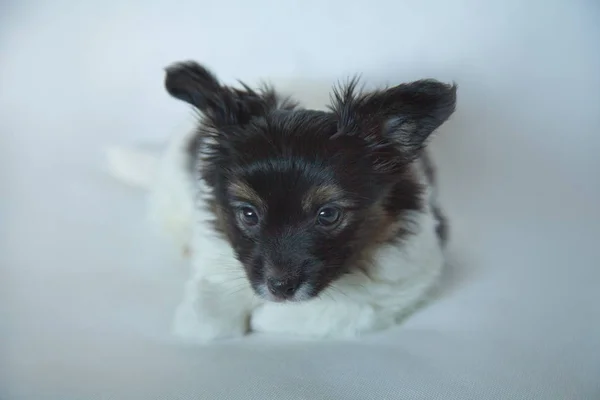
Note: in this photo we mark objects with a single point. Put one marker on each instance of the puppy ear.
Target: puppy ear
(402, 117)
(191, 82)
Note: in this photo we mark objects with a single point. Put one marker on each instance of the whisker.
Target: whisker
(337, 289)
(235, 291)
(328, 295)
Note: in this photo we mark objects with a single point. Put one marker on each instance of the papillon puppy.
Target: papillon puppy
(320, 223)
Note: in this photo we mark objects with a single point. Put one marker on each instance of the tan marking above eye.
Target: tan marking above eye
(318, 196)
(241, 190)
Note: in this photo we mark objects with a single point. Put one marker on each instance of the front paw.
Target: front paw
(192, 327)
(269, 318)
(317, 318)
(204, 316)
(306, 320)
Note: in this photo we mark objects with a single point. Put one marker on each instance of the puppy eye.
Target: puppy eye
(248, 216)
(328, 216)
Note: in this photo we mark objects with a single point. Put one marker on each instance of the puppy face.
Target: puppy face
(305, 196)
(299, 207)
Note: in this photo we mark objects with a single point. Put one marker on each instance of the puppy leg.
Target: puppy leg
(319, 318)
(206, 313)
(217, 298)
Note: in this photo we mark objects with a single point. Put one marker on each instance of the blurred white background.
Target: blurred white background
(87, 293)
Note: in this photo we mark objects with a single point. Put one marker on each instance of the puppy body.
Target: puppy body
(375, 246)
(218, 302)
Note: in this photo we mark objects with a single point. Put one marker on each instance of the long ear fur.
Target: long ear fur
(402, 117)
(191, 82)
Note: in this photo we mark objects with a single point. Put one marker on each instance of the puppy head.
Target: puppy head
(304, 196)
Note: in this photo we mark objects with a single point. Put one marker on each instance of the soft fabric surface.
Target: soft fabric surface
(87, 291)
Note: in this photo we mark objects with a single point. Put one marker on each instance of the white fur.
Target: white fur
(357, 304)
(218, 301)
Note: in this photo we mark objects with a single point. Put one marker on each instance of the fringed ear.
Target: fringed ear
(191, 82)
(402, 117)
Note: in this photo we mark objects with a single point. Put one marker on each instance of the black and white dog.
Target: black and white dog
(320, 223)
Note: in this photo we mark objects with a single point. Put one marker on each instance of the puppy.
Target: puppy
(320, 223)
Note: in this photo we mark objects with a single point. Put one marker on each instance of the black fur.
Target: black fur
(361, 149)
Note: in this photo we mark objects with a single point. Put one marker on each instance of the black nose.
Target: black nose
(283, 287)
